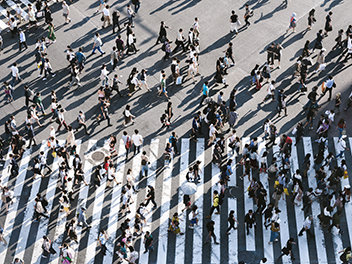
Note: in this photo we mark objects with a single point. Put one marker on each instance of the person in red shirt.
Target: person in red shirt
(286, 144)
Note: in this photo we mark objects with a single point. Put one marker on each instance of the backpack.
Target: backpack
(221, 199)
(343, 257)
(128, 143)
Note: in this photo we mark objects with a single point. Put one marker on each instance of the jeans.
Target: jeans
(105, 81)
(341, 153)
(273, 235)
(97, 48)
(145, 170)
(136, 7)
(340, 132)
(14, 80)
(300, 86)
(41, 107)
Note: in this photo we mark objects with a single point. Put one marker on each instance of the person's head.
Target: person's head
(233, 12)
(128, 107)
(250, 211)
(246, 5)
(147, 233)
(320, 31)
(216, 192)
(136, 131)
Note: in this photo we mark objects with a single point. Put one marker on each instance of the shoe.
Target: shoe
(39, 75)
(191, 227)
(53, 75)
(89, 227)
(300, 234)
(44, 79)
(217, 243)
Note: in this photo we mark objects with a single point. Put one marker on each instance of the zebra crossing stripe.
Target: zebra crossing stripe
(284, 230)
(248, 204)
(82, 197)
(319, 235)
(299, 214)
(215, 175)
(6, 171)
(13, 6)
(10, 219)
(165, 210)
(181, 240)
(198, 198)
(115, 204)
(232, 205)
(153, 158)
(61, 221)
(3, 25)
(344, 182)
(96, 215)
(268, 249)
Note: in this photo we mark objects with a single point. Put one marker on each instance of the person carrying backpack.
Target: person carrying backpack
(216, 204)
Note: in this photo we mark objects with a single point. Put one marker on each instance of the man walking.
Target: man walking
(97, 44)
(287, 250)
(82, 218)
(42, 161)
(106, 14)
(162, 33)
(233, 21)
(179, 41)
(14, 166)
(80, 59)
(31, 135)
(216, 204)
(195, 128)
(248, 13)
(66, 12)
(249, 221)
(82, 122)
(306, 226)
(22, 39)
(137, 141)
(106, 114)
(148, 242)
(205, 92)
(15, 74)
(210, 229)
(329, 84)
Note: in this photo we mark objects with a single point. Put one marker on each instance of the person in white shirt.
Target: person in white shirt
(131, 47)
(128, 116)
(15, 74)
(137, 141)
(42, 161)
(66, 12)
(271, 92)
(342, 146)
(31, 15)
(106, 14)
(13, 27)
(104, 75)
(97, 44)
(111, 176)
(19, 11)
(22, 39)
(212, 136)
(52, 132)
(103, 237)
(133, 255)
(329, 84)
(130, 15)
(179, 41)
(130, 180)
(196, 27)
(306, 226)
(48, 69)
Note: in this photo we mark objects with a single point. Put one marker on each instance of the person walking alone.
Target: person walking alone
(306, 226)
(210, 230)
(231, 219)
(22, 40)
(216, 204)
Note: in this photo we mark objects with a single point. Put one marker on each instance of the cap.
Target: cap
(83, 208)
(81, 112)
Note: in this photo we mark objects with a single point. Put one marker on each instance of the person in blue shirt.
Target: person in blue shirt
(80, 59)
(205, 92)
(195, 128)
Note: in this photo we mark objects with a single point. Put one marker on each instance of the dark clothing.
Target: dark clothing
(249, 220)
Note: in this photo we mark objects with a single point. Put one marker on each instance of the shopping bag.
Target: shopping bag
(276, 184)
(53, 154)
(323, 87)
(286, 192)
(294, 130)
(345, 174)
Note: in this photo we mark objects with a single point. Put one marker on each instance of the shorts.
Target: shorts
(211, 138)
(143, 82)
(65, 15)
(102, 2)
(194, 221)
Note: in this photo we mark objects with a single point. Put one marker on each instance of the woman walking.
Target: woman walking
(328, 26)
(320, 61)
(128, 116)
(144, 80)
(341, 126)
(231, 219)
(275, 228)
(311, 19)
(293, 23)
(51, 35)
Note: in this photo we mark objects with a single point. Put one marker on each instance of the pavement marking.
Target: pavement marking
(115, 205)
(165, 211)
(6, 171)
(13, 6)
(319, 234)
(11, 216)
(181, 240)
(302, 240)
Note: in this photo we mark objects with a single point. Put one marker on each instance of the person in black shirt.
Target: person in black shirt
(234, 22)
(310, 115)
(270, 54)
(196, 170)
(319, 41)
(232, 221)
(210, 229)
(162, 33)
(288, 249)
(249, 221)
(150, 197)
(106, 113)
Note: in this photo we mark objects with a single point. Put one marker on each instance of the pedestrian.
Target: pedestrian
(148, 242)
(103, 238)
(346, 255)
(131, 47)
(287, 250)
(39, 210)
(105, 114)
(210, 230)
(7, 197)
(205, 92)
(145, 164)
(104, 75)
(19, 12)
(15, 74)
(163, 87)
(82, 217)
(349, 49)
(179, 41)
(22, 40)
(115, 21)
(342, 146)
(216, 204)
(51, 36)
(231, 219)
(277, 54)
(106, 16)
(97, 44)
(31, 135)
(130, 15)
(328, 26)
(13, 27)
(162, 33)
(306, 226)
(17, 261)
(248, 14)
(234, 22)
(167, 49)
(274, 233)
(311, 19)
(48, 69)
(2, 239)
(293, 23)
(61, 119)
(270, 54)
(271, 92)
(319, 41)
(81, 119)
(150, 197)
(349, 104)
(196, 28)
(66, 12)
(75, 77)
(137, 141)
(249, 221)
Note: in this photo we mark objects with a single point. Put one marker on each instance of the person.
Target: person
(66, 12)
(274, 233)
(128, 116)
(329, 84)
(115, 21)
(15, 74)
(216, 204)
(270, 54)
(133, 254)
(106, 15)
(66, 254)
(17, 261)
(162, 33)
(148, 242)
(205, 92)
(346, 255)
(249, 221)
(231, 219)
(103, 237)
(137, 141)
(150, 197)
(287, 250)
(311, 19)
(328, 26)
(163, 87)
(39, 210)
(175, 225)
(349, 49)
(306, 226)
(179, 41)
(248, 13)
(210, 230)
(82, 217)
(167, 49)
(47, 247)
(319, 41)
(130, 15)
(342, 146)
(145, 164)
(193, 216)
(22, 40)
(51, 35)
(97, 44)
(82, 122)
(234, 22)
(131, 47)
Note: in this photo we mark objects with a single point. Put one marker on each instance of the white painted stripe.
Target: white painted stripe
(10, 219)
(13, 6)
(153, 158)
(82, 197)
(215, 177)
(28, 217)
(165, 210)
(268, 249)
(302, 240)
(198, 198)
(248, 204)
(6, 171)
(115, 204)
(348, 208)
(96, 215)
(319, 234)
(232, 205)
(180, 240)
(284, 230)
(60, 224)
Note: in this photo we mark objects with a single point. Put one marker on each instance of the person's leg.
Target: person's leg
(154, 203)
(247, 228)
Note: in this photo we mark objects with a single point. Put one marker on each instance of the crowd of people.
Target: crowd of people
(216, 114)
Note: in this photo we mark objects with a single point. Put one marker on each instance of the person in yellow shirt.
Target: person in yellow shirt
(216, 204)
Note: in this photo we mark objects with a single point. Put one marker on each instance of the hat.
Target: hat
(83, 208)
(81, 112)
(323, 49)
(294, 14)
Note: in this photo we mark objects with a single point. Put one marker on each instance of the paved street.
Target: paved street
(269, 23)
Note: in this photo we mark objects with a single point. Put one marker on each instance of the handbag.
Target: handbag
(323, 87)
(179, 80)
(286, 192)
(345, 174)
(54, 154)
(102, 18)
(294, 130)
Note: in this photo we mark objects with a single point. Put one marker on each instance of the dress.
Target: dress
(52, 36)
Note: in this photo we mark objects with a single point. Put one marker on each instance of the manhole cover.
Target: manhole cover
(98, 156)
(246, 256)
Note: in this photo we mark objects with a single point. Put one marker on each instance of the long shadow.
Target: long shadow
(269, 15)
(333, 4)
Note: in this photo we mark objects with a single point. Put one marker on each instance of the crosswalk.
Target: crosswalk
(24, 236)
